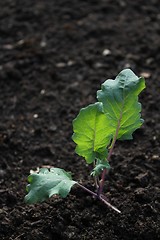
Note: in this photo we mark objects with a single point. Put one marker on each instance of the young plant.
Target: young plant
(115, 116)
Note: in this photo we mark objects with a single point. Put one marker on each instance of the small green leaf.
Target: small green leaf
(100, 166)
(46, 183)
(120, 103)
(90, 133)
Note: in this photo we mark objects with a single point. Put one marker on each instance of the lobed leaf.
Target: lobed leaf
(90, 133)
(46, 183)
(115, 116)
(100, 166)
(120, 103)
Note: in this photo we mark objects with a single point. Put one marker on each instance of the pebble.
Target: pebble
(43, 44)
(106, 52)
(35, 115)
(61, 65)
(145, 74)
(2, 173)
(53, 128)
(42, 92)
(70, 63)
(8, 46)
(127, 65)
(155, 157)
(98, 65)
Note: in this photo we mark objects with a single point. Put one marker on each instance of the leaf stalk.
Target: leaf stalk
(100, 197)
(101, 186)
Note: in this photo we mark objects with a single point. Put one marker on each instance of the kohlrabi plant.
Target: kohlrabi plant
(115, 116)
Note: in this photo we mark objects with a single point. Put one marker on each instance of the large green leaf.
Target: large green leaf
(120, 103)
(90, 133)
(46, 183)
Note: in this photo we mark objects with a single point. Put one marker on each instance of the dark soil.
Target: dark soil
(51, 65)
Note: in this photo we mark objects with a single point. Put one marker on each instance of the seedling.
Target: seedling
(97, 127)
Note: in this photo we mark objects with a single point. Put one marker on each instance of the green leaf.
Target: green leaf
(120, 103)
(47, 183)
(90, 133)
(100, 166)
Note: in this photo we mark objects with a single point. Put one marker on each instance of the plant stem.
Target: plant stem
(101, 186)
(101, 197)
(96, 179)
(87, 190)
(96, 182)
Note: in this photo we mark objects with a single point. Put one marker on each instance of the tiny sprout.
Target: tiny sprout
(115, 116)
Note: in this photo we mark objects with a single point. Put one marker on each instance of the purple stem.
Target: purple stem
(101, 186)
(101, 197)
(87, 190)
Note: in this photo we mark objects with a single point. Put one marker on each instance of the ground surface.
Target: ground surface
(52, 62)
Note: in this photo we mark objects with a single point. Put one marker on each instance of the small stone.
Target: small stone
(122, 3)
(70, 63)
(2, 173)
(127, 65)
(20, 42)
(154, 138)
(149, 61)
(43, 44)
(61, 65)
(98, 65)
(42, 92)
(106, 52)
(35, 115)
(8, 46)
(53, 128)
(155, 157)
(145, 74)
(34, 171)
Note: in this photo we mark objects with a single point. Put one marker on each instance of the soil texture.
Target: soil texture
(54, 55)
